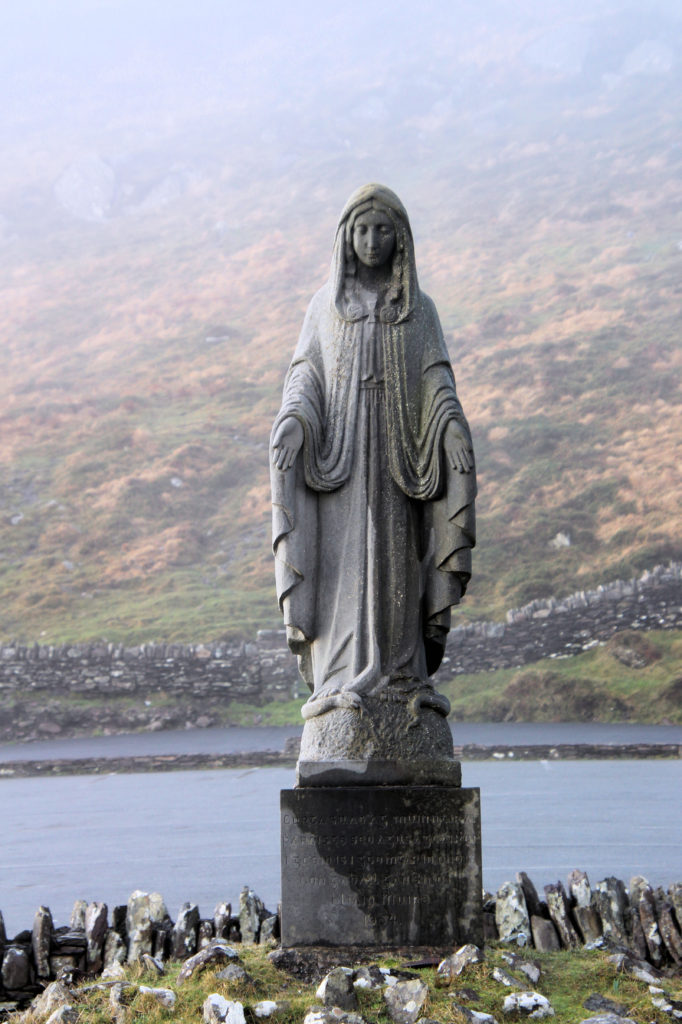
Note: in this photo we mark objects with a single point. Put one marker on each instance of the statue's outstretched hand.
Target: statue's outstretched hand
(287, 442)
(457, 448)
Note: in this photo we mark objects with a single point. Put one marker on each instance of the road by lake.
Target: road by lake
(202, 835)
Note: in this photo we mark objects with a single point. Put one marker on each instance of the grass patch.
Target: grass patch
(567, 979)
(592, 686)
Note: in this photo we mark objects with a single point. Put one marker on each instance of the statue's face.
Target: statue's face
(373, 238)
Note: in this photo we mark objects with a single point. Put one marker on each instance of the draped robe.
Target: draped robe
(372, 529)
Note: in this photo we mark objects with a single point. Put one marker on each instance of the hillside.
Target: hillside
(145, 346)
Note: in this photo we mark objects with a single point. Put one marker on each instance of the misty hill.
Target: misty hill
(168, 197)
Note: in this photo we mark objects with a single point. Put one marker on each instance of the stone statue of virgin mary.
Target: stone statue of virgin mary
(373, 487)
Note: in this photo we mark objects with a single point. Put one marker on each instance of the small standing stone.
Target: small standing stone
(205, 934)
(669, 931)
(185, 931)
(530, 895)
(269, 928)
(41, 940)
(558, 911)
(144, 909)
(586, 917)
(405, 1000)
(611, 902)
(114, 951)
(511, 914)
(78, 915)
(251, 913)
(642, 901)
(545, 938)
(96, 924)
(221, 919)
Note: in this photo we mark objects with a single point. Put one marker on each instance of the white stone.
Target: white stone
(530, 1004)
(266, 1008)
(164, 996)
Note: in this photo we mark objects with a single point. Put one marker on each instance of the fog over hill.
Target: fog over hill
(170, 178)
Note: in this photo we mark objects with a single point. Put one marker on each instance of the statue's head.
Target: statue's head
(374, 230)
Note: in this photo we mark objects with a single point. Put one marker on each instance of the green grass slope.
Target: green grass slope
(143, 360)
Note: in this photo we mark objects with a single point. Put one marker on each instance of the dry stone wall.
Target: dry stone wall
(107, 685)
(640, 925)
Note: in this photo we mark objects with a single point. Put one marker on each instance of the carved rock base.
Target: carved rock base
(382, 741)
(381, 866)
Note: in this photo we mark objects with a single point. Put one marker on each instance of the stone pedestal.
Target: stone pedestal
(386, 865)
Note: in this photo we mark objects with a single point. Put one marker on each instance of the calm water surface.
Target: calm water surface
(202, 835)
(234, 739)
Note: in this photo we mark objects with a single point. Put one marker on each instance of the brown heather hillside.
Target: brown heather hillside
(143, 359)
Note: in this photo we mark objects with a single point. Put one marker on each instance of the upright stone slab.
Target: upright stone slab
(381, 866)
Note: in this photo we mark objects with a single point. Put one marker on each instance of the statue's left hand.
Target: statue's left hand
(457, 448)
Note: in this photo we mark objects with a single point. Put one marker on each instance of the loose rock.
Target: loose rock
(55, 995)
(324, 1015)
(217, 1010)
(608, 1018)
(152, 964)
(405, 1000)
(16, 969)
(503, 978)
(474, 1016)
(269, 1008)
(164, 996)
(529, 1004)
(453, 965)
(64, 1015)
(369, 977)
(336, 989)
(604, 1005)
(235, 973)
(216, 954)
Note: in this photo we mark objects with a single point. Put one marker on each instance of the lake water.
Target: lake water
(235, 738)
(202, 835)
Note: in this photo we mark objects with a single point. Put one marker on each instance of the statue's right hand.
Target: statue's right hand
(286, 443)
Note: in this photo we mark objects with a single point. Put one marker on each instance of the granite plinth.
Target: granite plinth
(381, 866)
(379, 773)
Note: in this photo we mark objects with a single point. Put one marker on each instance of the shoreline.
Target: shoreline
(50, 767)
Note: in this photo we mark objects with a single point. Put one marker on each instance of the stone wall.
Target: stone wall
(189, 685)
(640, 924)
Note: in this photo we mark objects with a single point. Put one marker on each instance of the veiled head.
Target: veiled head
(374, 207)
